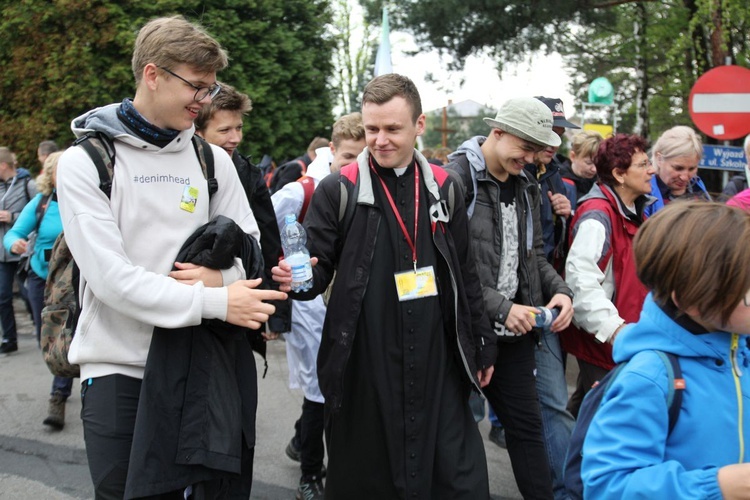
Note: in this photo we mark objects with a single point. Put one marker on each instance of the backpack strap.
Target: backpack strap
(308, 186)
(465, 174)
(41, 209)
(676, 386)
(26, 181)
(206, 158)
(101, 150)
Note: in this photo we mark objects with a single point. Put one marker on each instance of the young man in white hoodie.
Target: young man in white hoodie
(303, 341)
(125, 245)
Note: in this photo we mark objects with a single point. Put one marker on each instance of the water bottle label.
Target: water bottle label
(302, 272)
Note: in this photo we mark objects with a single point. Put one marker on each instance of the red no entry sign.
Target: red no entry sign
(720, 102)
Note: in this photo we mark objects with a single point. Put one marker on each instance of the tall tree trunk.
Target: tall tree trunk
(702, 61)
(718, 48)
(641, 70)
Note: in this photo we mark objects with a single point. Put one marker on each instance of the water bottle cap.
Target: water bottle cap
(290, 218)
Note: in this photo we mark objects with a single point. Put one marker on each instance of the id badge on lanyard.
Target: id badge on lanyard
(419, 282)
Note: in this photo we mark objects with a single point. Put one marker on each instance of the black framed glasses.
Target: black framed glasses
(200, 92)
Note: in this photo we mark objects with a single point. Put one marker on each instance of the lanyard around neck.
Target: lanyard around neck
(412, 243)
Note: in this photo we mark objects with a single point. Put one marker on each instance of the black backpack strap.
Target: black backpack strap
(678, 384)
(41, 208)
(101, 149)
(26, 188)
(206, 158)
(464, 174)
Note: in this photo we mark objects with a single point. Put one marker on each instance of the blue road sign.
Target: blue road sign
(723, 158)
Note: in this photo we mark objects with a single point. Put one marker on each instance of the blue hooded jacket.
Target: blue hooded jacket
(628, 452)
(50, 227)
(696, 187)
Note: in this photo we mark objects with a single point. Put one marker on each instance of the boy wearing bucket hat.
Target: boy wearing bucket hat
(516, 278)
(554, 212)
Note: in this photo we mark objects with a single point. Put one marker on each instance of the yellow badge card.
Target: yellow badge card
(412, 285)
(189, 199)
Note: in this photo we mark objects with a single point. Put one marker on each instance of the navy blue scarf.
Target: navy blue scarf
(142, 127)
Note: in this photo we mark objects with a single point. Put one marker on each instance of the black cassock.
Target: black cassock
(405, 429)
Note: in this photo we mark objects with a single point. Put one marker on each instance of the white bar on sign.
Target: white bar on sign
(721, 103)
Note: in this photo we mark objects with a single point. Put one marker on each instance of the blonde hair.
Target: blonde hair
(348, 127)
(675, 142)
(684, 250)
(44, 180)
(170, 41)
(585, 143)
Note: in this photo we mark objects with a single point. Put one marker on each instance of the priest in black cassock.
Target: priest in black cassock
(406, 337)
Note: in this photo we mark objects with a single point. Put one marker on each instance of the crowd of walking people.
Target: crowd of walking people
(429, 275)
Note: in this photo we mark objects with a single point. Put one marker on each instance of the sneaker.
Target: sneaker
(292, 450)
(497, 436)
(310, 488)
(56, 417)
(8, 347)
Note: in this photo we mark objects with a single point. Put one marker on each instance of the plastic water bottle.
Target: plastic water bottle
(293, 238)
(545, 316)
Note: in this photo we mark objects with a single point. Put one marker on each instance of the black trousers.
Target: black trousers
(108, 409)
(308, 435)
(513, 396)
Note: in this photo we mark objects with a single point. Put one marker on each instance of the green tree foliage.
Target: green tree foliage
(57, 60)
(506, 29)
(63, 57)
(652, 52)
(354, 57)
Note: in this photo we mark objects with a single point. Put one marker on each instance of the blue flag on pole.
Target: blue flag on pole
(383, 58)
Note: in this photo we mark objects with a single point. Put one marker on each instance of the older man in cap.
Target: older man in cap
(516, 278)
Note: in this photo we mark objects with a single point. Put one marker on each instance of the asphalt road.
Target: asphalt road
(36, 463)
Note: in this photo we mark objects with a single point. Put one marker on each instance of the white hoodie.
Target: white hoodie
(126, 246)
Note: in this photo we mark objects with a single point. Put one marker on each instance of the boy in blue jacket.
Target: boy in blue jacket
(699, 310)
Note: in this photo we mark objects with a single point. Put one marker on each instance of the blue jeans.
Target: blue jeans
(477, 404)
(7, 315)
(553, 397)
(492, 417)
(35, 288)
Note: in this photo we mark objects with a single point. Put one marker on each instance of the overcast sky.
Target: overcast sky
(481, 82)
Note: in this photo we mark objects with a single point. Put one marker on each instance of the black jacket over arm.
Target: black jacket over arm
(200, 391)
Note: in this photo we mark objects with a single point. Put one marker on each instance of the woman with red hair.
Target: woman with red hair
(600, 268)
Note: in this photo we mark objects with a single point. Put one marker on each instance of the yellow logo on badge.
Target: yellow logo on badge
(189, 199)
(417, 284)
